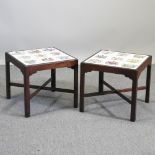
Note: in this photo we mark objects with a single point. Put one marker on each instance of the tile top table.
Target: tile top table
(117, 59)
(32, 61)
(128, 64)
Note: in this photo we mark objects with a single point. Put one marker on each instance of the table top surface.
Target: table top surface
(40, 56)
(117, 59)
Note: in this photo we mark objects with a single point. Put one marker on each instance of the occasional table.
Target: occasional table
(128, 64)
(32, 61)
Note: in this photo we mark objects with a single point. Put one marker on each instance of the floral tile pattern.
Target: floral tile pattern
(39, 56)
(117, 59)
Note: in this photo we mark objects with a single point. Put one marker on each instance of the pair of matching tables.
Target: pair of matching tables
(105, 61)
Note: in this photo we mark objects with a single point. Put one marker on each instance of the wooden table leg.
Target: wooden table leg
(27, 95)
(82, 86)
(53, 77)
(134, 100)
(100, 85)
(76, 86)
(8, 87)
(148, 81)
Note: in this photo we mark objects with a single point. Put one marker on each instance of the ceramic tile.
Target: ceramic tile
(39, 56)
(117, 59)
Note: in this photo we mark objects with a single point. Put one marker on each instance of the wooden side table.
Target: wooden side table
(130, 65)
(31, 61)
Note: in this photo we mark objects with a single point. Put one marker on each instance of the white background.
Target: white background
(79, 27)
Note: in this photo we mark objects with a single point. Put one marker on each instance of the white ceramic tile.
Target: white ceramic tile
(117, 59)
(39, 56)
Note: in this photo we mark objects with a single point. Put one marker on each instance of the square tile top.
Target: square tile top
(117, 59)
(40, 56)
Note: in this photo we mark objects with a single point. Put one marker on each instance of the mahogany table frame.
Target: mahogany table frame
(28, 70)
(133, 74)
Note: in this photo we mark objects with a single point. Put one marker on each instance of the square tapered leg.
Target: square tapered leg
(27, 95)
(101, 78)
(148, 81)
(53, 79)
(82, 86)
(8, 87)
(76, 86)
(134, 100)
